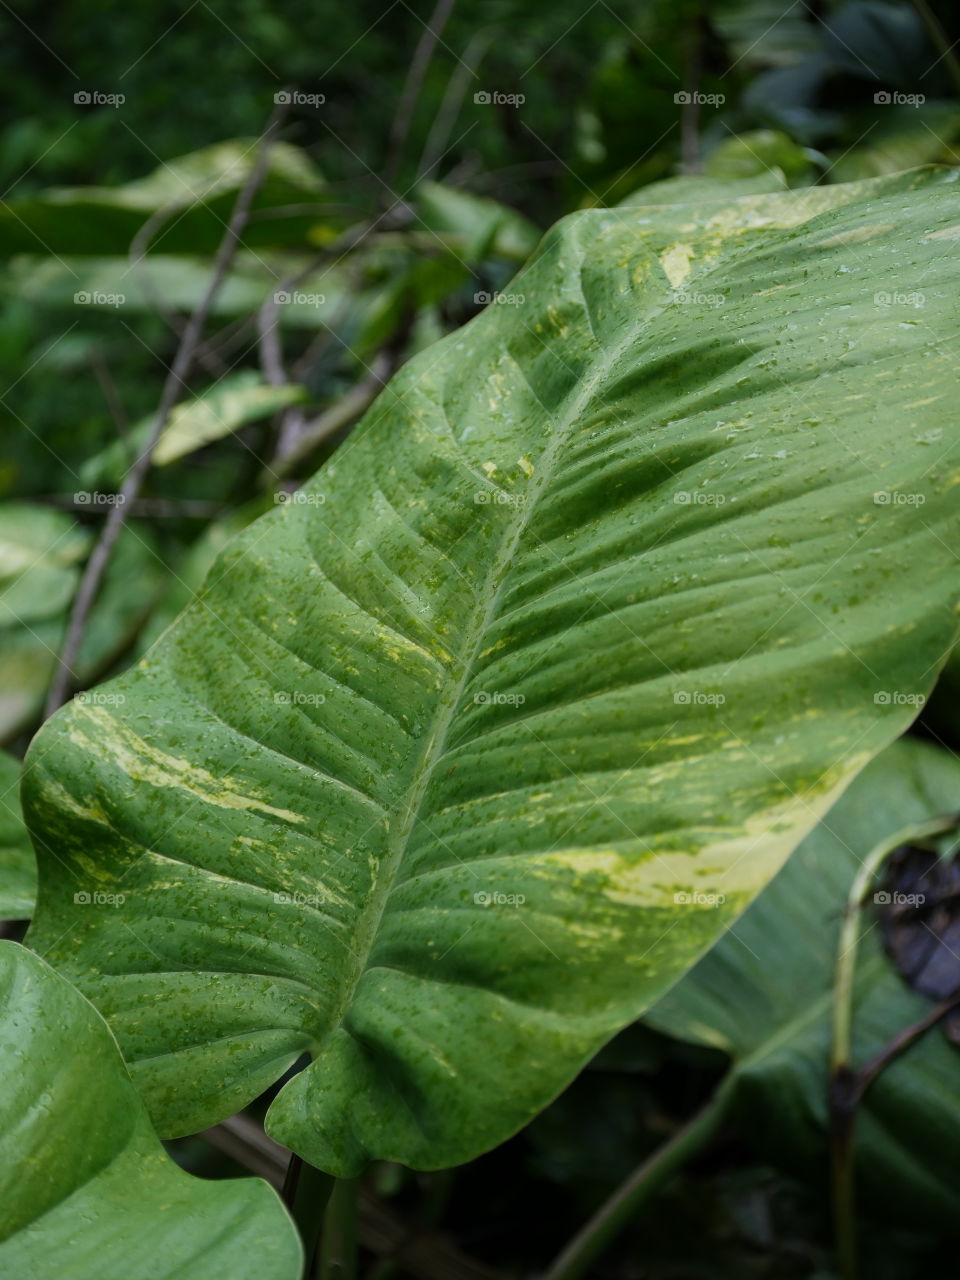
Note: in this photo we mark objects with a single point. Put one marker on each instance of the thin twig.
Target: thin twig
(901, 1042)
(133, 481)
(412, 86)
(690, 113)
(346, 410)
(452, 101)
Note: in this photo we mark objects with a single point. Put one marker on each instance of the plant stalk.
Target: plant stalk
(306, 1193)
(338, 1240)
(845, 1085)
(587, 1245)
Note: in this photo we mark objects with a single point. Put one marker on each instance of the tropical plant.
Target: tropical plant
(467, 751)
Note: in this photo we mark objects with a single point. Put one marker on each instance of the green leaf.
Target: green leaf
(597, 607)
(40, 551)
(223, 408)
(475, 226)
(758, 153)
(231, 403)
(18, 867)
(701, 190)
(764, 995)
(87, 1190)
(195, 191)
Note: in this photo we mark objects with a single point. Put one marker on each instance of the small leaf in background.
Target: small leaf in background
(229, 404)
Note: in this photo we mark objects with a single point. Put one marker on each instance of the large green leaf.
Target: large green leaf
(764, 994)
(87, 1190)
(18, 866)
(434, 780)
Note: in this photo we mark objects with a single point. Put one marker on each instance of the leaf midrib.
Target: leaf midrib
(483, 615)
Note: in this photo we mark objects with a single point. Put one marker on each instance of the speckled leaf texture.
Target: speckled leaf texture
(86, 1190)
(443, 777)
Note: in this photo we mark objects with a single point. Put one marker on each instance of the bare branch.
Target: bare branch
(133, 481)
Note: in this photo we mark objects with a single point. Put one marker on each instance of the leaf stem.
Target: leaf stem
(306, 1193)
(338, 1240)
(845, 1085)
(575, 1259)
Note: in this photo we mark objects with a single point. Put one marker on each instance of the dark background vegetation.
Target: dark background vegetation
(400, 263)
